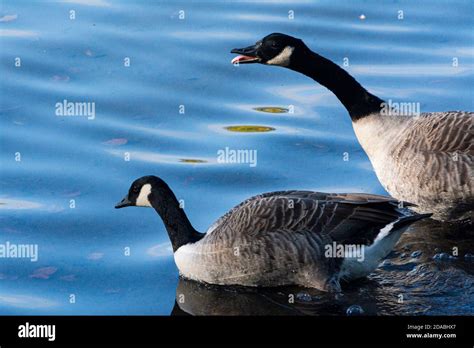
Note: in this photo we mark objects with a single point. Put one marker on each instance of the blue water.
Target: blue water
(61, 176)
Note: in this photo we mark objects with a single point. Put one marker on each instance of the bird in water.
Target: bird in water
(304, 238)
(426, 158)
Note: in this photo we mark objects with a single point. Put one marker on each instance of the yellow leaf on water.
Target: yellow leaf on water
(249, 129)
(272, 109)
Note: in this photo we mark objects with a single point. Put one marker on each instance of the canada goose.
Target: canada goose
(280, 238)
(425, 159)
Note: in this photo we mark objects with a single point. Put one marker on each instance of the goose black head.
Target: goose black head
(274, 49)
(151, 191)
(140, 192)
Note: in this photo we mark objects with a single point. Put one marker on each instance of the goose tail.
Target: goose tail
(380, 248)
(408, 220)
(390, 234)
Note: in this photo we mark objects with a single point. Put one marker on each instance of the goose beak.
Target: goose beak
(247, 55)
(125, 202)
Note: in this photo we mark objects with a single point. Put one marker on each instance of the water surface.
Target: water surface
(167, 100)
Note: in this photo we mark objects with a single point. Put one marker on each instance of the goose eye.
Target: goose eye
(135, 190)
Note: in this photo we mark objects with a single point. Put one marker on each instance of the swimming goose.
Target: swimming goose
(425, 159)
(305, 238)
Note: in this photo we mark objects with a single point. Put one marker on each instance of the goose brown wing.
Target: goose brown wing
(346, 218)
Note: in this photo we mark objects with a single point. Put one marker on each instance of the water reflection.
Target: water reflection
(160, 158)
(194, 298)
(18, 33)
(25, 301)
(8, 18)
(430, 70)
(7, 203)
(97, 3)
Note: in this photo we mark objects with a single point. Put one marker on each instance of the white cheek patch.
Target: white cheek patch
(142, 199)
(283, 58)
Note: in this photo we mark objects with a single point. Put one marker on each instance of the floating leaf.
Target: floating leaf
(272, 109)
(249, 129)
(191, 160)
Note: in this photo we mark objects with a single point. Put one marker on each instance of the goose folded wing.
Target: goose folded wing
(346, 218)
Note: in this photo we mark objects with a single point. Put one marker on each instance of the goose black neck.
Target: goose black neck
(355, 98)
(177, 224)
